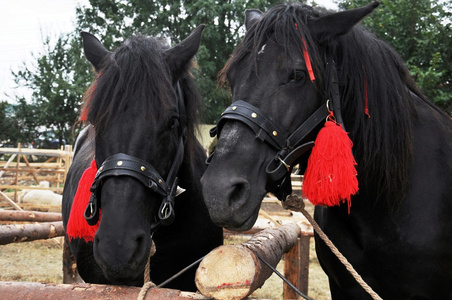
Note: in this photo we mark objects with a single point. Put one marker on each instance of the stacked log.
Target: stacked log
(30, 232)
(28, 216)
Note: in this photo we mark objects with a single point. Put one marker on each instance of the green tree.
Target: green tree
(57, 81)
(9, 127)
(112, 21)
(420, 31)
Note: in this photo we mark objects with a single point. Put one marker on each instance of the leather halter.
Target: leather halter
(121, 164)
(291, 146)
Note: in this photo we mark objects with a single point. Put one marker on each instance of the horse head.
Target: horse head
(139, 110)
(279, 83)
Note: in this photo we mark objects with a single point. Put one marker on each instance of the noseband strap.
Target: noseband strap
(256, 119)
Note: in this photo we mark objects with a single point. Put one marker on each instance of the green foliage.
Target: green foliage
(57, 81)
(9, 127)
(420, 31)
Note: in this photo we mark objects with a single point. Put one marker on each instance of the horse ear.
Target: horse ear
(179, 56)
(95, 52)
(331, 26)
(251, 16)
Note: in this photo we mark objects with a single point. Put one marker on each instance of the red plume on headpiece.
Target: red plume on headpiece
(77, 227)
(330, 177)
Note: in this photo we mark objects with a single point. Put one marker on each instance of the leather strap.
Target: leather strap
(126, 165)
(256, 119)
(277, 168)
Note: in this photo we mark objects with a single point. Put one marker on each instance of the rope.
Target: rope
(147, 268)
(148, 284)
(294, 203)
(144, 289)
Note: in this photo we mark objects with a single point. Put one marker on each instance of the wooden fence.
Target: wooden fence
(18, 170)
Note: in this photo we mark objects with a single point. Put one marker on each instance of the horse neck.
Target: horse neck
(192, 167)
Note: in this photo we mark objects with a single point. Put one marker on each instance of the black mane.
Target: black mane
(136, 71)
(383, 142)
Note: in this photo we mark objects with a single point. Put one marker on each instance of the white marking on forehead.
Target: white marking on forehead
(262, 50)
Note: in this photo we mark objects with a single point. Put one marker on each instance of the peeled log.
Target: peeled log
(35, 290)
(234, 271)
(28, 216)
(30, 232)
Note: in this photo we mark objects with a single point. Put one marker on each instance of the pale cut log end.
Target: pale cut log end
(227, 272)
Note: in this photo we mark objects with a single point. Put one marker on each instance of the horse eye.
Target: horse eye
(297, 76)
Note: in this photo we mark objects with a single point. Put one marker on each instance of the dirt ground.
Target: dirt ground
(41, 261)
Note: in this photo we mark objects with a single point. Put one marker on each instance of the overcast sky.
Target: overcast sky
(24, 23)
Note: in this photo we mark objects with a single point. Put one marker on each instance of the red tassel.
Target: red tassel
(330, 177)
(77, 227)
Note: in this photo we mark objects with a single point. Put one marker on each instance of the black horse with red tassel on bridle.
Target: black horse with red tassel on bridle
(318, 90)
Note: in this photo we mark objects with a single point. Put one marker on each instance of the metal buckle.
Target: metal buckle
(284, 163)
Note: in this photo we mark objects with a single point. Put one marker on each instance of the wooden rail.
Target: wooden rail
(36, 290)
(28, 216)
(19, 173)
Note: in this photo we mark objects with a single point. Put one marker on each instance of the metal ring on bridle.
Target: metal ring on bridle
(328, 105)
(284, 163)
(165, 210)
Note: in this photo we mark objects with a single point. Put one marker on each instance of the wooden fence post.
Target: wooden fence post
(70, 272)
(296, 268)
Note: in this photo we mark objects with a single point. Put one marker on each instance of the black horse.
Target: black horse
(398, 233)
(141, 112)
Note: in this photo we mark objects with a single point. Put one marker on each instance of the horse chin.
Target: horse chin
(132, 275)
(234, 217)
(122, 260)
(247, 225)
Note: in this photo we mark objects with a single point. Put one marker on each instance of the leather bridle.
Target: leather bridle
(121, 164)
(290, 146)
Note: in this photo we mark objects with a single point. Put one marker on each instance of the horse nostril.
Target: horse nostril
(239, 193)
(139, 249)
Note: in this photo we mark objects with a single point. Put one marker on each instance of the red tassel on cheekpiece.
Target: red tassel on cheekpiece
(77, 227)
(330, 177)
